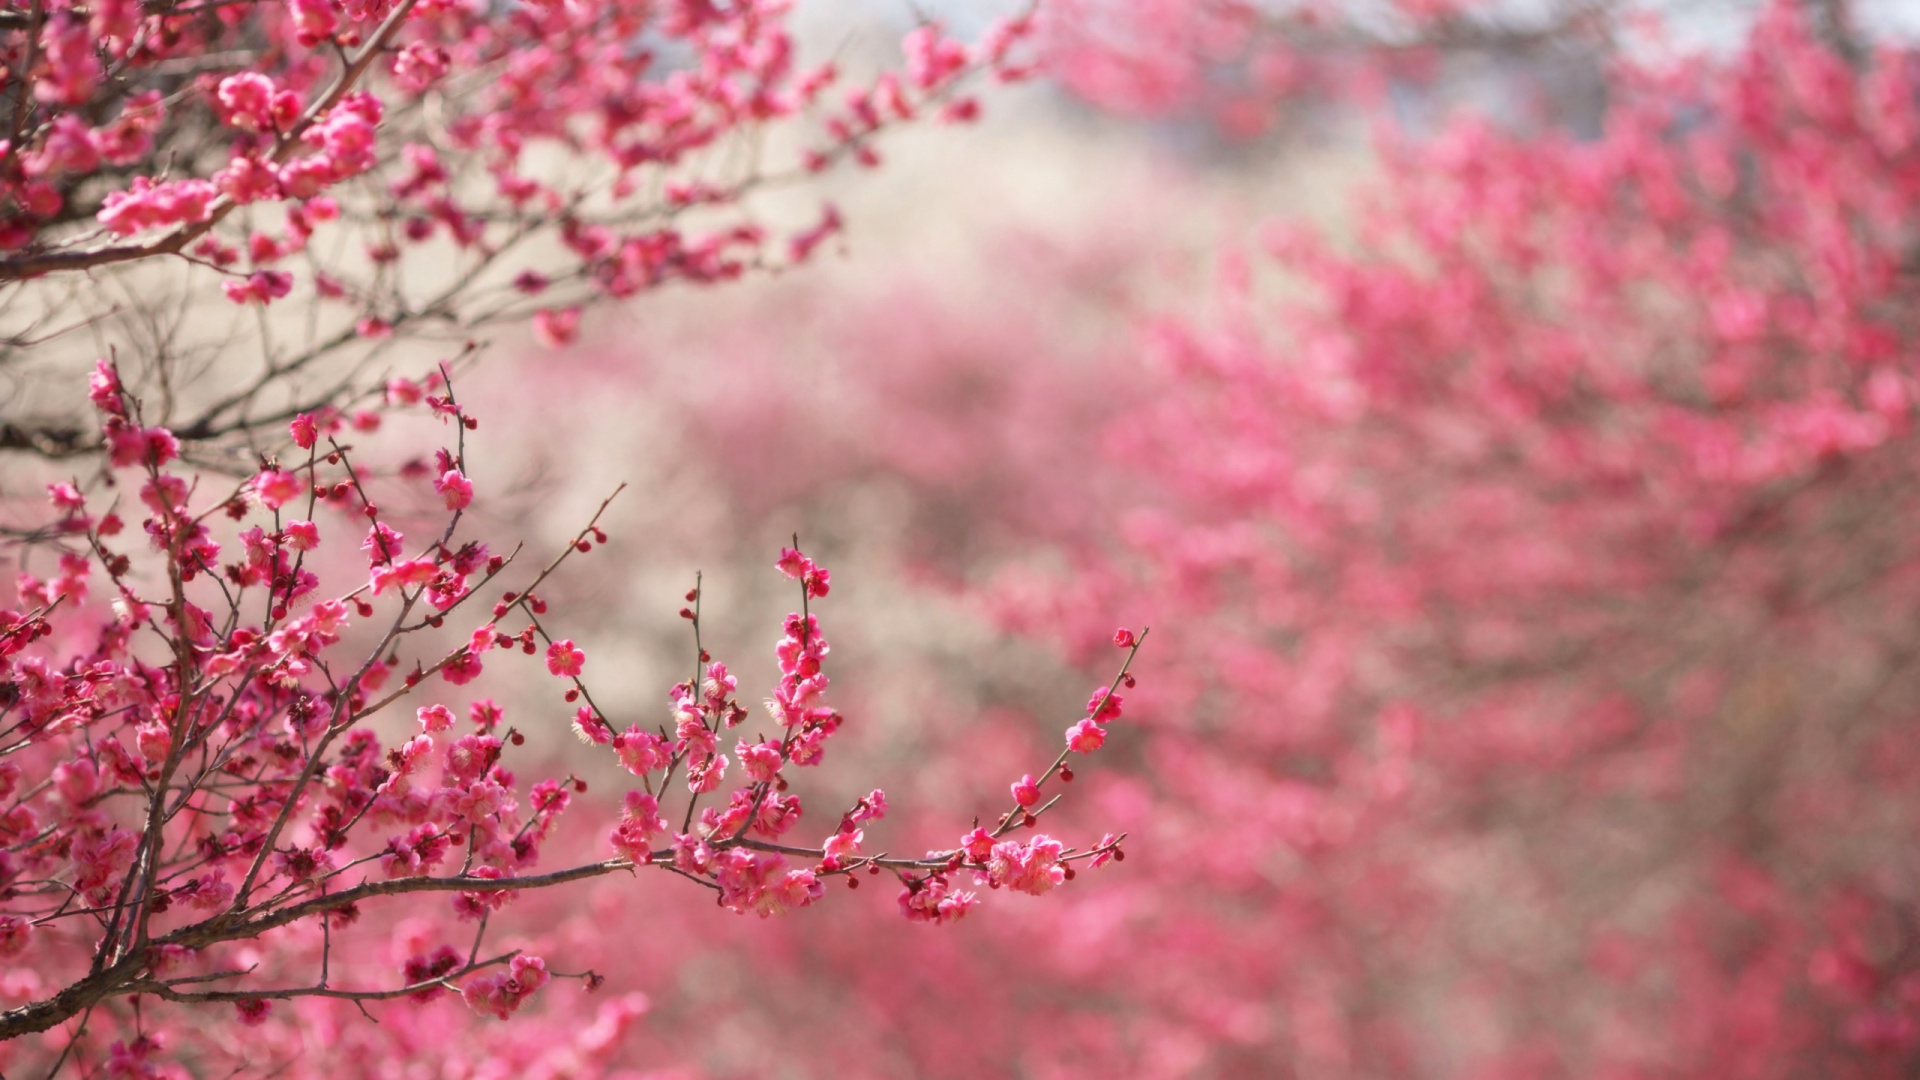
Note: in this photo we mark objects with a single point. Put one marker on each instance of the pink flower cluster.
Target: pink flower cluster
(255, 715)
(501, 993)
(264, 119)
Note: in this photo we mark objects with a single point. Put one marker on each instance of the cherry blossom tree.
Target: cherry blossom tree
(403, 170)
(198, 766)
(216, 830)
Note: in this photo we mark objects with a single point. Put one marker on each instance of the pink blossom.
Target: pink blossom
(248, 180)
(129, 137)
(554, 328)
(154, 741)
(210, 892)
(471, 755)
(103, 389)
(484, 714)
(250, 102)
(455, 488)
(500, 994)
(481, 639)
(77, 781)
(1032, 867)
(404, 573)
(640, 822)
(301, 864)
(1103, 851)
(564, 660)
(795, 565)
(705, 774)
(141, 446)
(302, 535)
(404, 392)
(590, 728)
(1025, 791)
(1104, 705)
(418, 852)
(304, 431)
(346, 138)
(383, 543)
(762, 883)
(933, 900)
(419, 66)
(479, 802)
(165, 494)
(978, 845)
(66, 498)
(276, 488)
(435, 718)
(70, 147)
(304, 178)
(411, 753)
(101, 859)
(72, 69)
(147, 205)
(260, 287)
(761, 760)
(315, 20)
(640, 751)
(843, 846)
(932, 59)
(872, 807)
(1086, 736)
(803, 244)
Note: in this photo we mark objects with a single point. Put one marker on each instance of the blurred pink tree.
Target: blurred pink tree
(1535, 582)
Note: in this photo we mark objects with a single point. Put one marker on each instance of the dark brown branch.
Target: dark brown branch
(166, 991)
(127, 975)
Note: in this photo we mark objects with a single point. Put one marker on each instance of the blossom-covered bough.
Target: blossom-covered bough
(207, 800)
(197, 769)
(402, 170)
